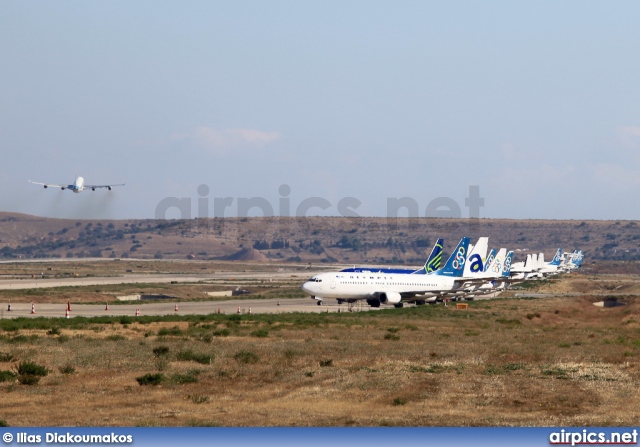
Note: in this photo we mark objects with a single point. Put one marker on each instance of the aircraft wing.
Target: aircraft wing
(102, 186)
(50, 185)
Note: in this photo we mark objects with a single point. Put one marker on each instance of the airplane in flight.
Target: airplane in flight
(77, 186)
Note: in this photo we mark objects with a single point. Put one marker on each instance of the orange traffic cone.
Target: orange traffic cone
(218, 311)
(176, 309)
(66, 313)
(238, 309)
(106, 307)
(137, 312)
(69, 306)
(33, 308)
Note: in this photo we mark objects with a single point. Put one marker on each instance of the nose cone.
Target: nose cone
(308, 287)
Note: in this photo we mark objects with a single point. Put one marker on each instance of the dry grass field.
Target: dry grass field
(502, 362)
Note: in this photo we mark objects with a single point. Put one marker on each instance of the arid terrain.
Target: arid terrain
(555, 359)
(313, 239)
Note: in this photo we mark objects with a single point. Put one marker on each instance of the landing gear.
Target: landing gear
(398, 305)
(373, 302)
(420, 302)
(319, 303)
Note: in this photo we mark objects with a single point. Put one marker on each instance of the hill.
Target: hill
(311, 239)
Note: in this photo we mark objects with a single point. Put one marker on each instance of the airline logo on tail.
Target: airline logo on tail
(506, 269)
(557, 258)
(435, 258)
(475, 263)
(490, 259)
(455, 263)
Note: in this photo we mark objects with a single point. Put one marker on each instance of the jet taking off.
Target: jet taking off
(77, 186)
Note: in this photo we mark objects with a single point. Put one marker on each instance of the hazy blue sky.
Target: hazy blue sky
(538, 103)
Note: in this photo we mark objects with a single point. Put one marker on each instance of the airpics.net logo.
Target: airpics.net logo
(589, 437)
(440, 207)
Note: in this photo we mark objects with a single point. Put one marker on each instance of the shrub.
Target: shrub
(115, 337)
(54, 331)
(326, 363)
(246, 357)
(31, 369)
(150, 379)
(175, 331)
(199, 399)
(28, 379)
(6, 357)
(182, 379)
(7, 376)
(187, 356)
(221, 333)
(260, 333)
(399, 401)
(160, 351)
(67, 369)
(3, 423)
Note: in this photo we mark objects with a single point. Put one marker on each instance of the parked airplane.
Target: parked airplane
(77, 186)
(389, 288)
(433, 263)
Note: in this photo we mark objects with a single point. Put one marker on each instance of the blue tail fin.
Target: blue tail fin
(490, 258)
(455, 265)
(506, 267)
(435, 259)
(557, 258)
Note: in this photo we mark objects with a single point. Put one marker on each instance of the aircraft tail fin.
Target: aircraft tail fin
(506, 267)
(455, 264)
(557, 258)
(489, 260)
(434, 261)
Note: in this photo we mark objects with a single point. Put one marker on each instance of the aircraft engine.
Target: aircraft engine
(390, 298)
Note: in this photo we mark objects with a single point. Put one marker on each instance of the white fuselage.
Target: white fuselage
(363, 285)
(78, 185)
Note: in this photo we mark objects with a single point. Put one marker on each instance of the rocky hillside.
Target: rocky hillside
(312, 239)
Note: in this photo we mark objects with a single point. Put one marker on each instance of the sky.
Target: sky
(307, 105)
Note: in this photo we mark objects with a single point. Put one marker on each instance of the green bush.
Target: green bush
(182, 379)
(67, 369)
(246, 357)
(221, 333)
(28, 379)
(7, 376)
(31, 369)
(160, 351)
(174, 331)
(327, 362)
(54, 331)
(189, 355)
(150, 379)
(260, 333)
(6, 357)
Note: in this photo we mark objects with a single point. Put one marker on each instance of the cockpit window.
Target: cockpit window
(315, 280)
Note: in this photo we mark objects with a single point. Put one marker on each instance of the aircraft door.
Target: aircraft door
(333, 283)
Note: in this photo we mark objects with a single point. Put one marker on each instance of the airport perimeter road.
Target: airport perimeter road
(35, 283)
(262, 306)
